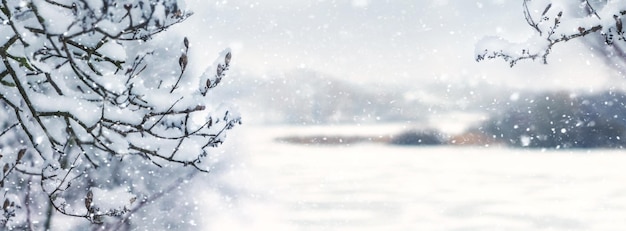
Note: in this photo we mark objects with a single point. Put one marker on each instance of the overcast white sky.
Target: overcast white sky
(412, 43)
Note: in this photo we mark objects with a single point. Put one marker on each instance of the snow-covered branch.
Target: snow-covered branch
(84, 93)
(555, 22)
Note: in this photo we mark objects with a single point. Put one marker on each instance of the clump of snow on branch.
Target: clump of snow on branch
(553, 22)
(100, 202)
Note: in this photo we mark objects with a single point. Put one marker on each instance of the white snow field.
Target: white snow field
(380, 187)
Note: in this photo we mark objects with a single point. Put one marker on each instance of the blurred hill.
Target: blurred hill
(305, 97)
(308, 97)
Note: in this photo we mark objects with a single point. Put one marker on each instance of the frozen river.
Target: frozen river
(279, 186)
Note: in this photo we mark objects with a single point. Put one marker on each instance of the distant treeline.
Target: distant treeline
(557, 120)
(561, 120)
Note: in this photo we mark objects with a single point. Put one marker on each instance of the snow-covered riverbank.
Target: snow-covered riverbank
(379, 187)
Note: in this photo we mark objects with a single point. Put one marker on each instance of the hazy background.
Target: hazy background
(408, 43)
(364, 61)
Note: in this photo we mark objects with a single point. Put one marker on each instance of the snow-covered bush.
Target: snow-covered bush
(97, 119)
(601, 23)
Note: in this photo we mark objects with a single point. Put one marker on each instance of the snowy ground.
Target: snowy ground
(378, 187)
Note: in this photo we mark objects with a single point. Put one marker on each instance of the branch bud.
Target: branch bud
(227, 58)
(182, 61)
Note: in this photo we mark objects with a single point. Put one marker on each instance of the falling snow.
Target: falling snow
(359, 115)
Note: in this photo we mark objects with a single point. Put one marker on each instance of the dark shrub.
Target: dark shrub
(558, 120)
(414, 137)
